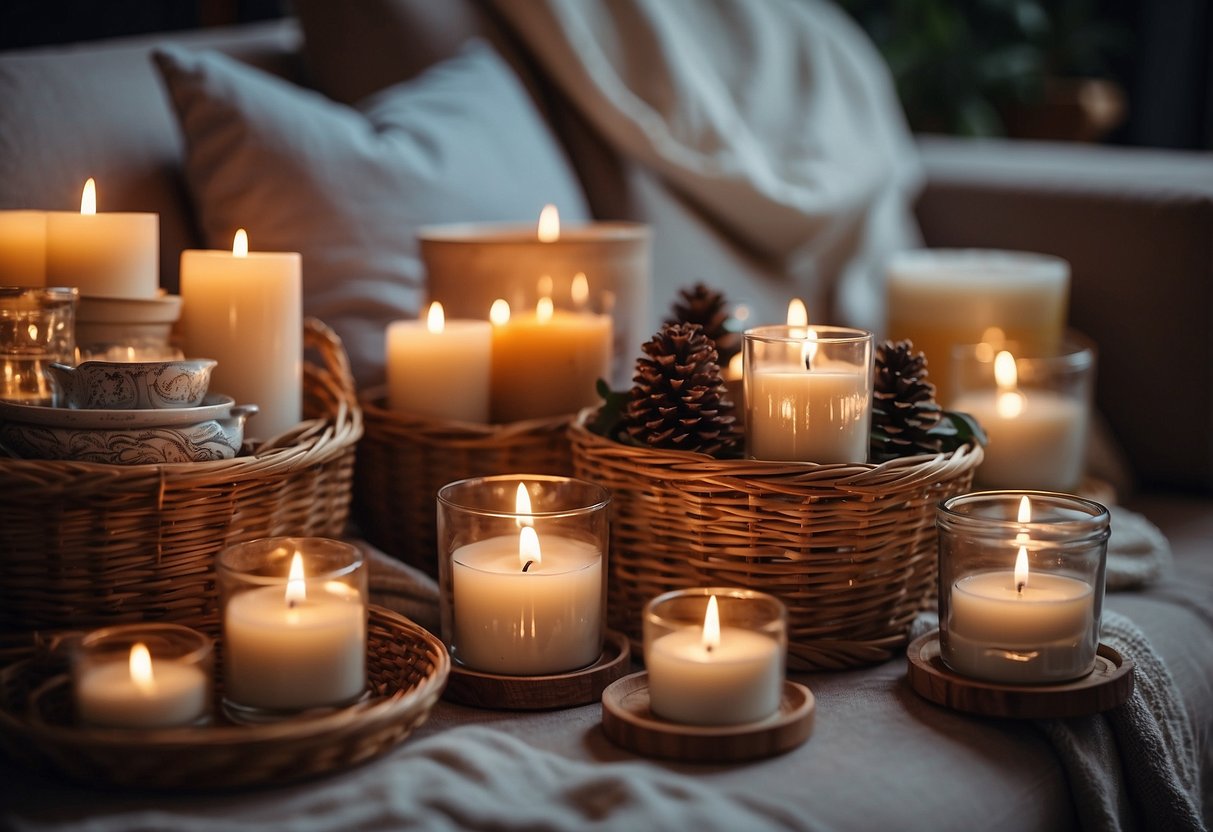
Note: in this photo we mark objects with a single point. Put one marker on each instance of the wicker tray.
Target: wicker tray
(406, 669)
(850, 549)
(403, 460)
(86, 544)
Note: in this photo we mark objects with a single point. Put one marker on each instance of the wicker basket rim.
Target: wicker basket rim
(374, 402)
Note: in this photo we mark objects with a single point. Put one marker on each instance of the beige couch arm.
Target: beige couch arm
(1137, 228)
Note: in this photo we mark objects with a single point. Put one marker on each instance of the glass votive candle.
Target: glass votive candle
(1035, 407)
(808, 393)
(715, 655)
(294, 625)
(149, 675)
(37, 329)
(522, 569)
(1021, 585)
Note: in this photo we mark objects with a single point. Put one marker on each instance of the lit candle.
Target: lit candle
(546, 363)
(110, 255)
(713, 675)
(526, 605)
(23, 248)
(804, 403)
(1037, 436)
(1018, 625)
(245, 310)
(139, 693)
(440, 368)
(299, 647)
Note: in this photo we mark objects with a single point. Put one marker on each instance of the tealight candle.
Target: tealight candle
(522, 560)
(715, 656)
(1020, 598)
(440, 368)
(294, 624)
(142, 676)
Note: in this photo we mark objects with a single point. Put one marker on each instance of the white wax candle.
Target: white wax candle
(246, 312)
(440, 369)
(107, 695)
(281, 655)
(107, 255)
(548, 363)
(545, 620)
(1045, 627)
(23, 248)
(808, 415)
(1039, 444)
(738, 680)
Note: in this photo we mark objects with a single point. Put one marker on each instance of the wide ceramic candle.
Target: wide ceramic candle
(438, 368)
(715, 656)
(1021, 584)
(142, 676)
(294, 624)
(522, 571)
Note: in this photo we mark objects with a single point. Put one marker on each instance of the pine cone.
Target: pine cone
(678, 399)
(904, 409)
(708, 308)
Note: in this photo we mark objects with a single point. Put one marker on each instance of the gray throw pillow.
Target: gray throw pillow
(347, 187)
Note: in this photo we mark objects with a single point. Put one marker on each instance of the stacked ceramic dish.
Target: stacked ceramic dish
(128, 413)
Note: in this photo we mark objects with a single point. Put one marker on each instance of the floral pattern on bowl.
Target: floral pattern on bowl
(137, 385)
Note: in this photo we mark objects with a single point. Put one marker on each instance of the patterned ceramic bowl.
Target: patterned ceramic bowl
(137, 385)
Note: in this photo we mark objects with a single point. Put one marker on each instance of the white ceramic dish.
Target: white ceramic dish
(132, 385)
(212, 407)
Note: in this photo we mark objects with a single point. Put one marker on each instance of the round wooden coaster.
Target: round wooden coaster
(628, 722)
(1107, 686)
(537, 693)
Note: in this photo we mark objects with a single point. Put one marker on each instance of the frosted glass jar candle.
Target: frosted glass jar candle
(808, 393)
(294, 624)
(522, 569)
(1021, 585)
(715, 656)
(142, 676)
(942, 298)
(1034, 407)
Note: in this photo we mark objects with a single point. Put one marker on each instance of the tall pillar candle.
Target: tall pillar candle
(438, 368)
(23, 248)
(245, 310)
(107, 255)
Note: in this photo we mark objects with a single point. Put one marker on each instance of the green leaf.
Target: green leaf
(609, 418)
(956, 429)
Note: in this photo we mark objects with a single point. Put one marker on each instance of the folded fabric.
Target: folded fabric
(401, 588)
(1138, 553)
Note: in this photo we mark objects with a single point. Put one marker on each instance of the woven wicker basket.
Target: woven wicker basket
(850, 549)
(403, 460)
(406, 670)
(86, 544)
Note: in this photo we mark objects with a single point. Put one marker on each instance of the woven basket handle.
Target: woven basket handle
(319, 336)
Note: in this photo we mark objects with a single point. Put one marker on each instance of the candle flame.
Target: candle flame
(240, 243)
(1021, 569)
(736, 368)
(549, 224)
(1010, 401)
(296, 586)
(141, 668)
(88, 198)
(711, 626)
(1025, 510)
(435, 321)
(808, 351)
(499, 312)
(798, 313)
(528, 547)
(580, 290)
(544, 310)
(522, 507)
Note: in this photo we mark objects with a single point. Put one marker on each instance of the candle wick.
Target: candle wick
(291, 604)
(1019, 587)
(527, 565)
(708, 648)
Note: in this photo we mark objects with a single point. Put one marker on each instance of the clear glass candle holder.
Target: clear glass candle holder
(1034, 406)
(522, 569)
(1021, 585)
(37, 329)
(149, 675)
(715, 655)
(294, 625)
(808, 393)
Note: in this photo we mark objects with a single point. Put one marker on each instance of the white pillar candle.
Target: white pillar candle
(547, 363)
(941, 298)
(141, 693)
(110, 255)
(438, 368)
(23, 248)
(245, 310)
(299, 647)
(714, 675)
(544, 620)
